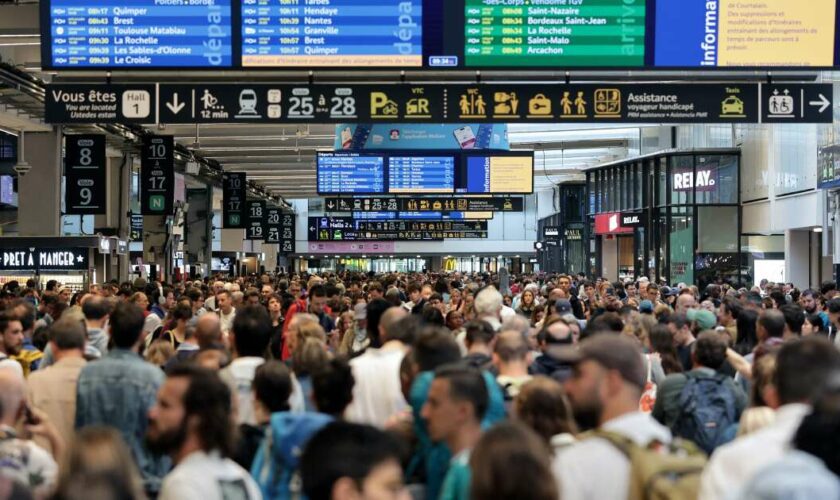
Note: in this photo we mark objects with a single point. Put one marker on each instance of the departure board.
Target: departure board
(332, 33)
(589, 33)
(499, 174)
(350, 173)
(138, 34)
(421, 174)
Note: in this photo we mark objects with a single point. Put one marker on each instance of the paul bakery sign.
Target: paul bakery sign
(48, 259)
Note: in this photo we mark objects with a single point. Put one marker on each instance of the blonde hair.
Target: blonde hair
(159, 352)
(754, 419)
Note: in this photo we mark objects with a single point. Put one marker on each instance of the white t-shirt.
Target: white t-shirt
(377, 394)
(226, 320)
(239, 376)
(206, 476)
(8, 363)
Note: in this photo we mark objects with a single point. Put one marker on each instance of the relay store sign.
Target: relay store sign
(703, 180)
(610, 224)
(33, 259)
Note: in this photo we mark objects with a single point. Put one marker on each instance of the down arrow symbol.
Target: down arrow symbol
(175, 106)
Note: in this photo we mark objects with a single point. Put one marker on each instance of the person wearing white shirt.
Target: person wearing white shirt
(249, 337)
(226, 311)
(191, 422)
(604, 392)
(802, 368)
(377, 393)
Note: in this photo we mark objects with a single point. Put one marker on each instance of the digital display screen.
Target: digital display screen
(421, 174)
(332, 33)
(742, 34)
(499, 174)
(350, 173)
(137, 34)
(552, 33)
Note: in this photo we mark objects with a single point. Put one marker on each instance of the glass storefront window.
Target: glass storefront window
(590, 182)
(681, 246)
(662, 182)
(716, 179)
(638, 187)
(717, 229)
(682, 180)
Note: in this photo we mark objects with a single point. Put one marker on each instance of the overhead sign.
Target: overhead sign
(272, 224)
(257, 222)
(157, 175)
(610, 224)
(443, 103)
(429, 204)
(348, 229)
(85, 172)
(551, 232)
(35, 259)
(287, 233)
(136, 228)
(351, 173)
(234, 191)
(798, 103)
(136, 34)
(106, 103)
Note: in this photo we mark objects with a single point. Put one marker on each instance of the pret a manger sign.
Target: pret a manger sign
(31, 259)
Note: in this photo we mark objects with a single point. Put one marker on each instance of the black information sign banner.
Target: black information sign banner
(84, 169)
(257, 229)
(632, 220)
(431, 204)
(272, 224)
(443, 103)
(47, 259)
(348, 229)
(136, 227)
(287, 233)
(233, 200)
(107, 103)
(157, 175)
(551, 233)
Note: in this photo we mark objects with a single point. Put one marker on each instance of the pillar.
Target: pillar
(199, 228)
(155, 239)
(797, 258)
(39, 200)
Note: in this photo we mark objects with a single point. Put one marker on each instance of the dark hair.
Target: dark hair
(709, 350)
(251, 330)
(819, 433)
(543, 406)
(27, 316)
(208, 399)
(194, 294)
(511, 462)
(466, 384)
(803, 367)
(833, 305)
(68, 334)
(679, 320)
(827, 286)
(375, 309)
(182, 311)
(817, 321)
(794, 317)
(435, 347)
(126, 324)
(662, 342)
(773, 322)
(253, 293)
(332, 387)
(732, 306)
(479, 331)
(375, 285)
(432, 316)
(317, 291)
(340, 450)
(412, 287)
(441, 286)
(747, 336)
(96, 308)
(609, 322)
(272, 385)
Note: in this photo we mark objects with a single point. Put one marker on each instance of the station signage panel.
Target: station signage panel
(437, 103)
(287, 233)
(46, 259)
(551, 232)
(157, 175)
(234, 192)
(426, 204)
(272, 224)
(256, 229)
(136, 227)
(610, 224)
(348, 229)
(85, 173)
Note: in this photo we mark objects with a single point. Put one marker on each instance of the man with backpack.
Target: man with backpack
(701, 405)
(630, 452)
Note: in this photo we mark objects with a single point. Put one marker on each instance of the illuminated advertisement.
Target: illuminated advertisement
(421, 136)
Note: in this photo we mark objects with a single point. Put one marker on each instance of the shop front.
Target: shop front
(70, 260)
(672, 216)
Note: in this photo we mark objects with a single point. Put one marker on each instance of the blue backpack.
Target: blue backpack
(707, 411)
(275, 467)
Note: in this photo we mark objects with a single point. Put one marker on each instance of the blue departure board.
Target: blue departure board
(350, 173)
(421, 174)
(139, 34)
(332, 33)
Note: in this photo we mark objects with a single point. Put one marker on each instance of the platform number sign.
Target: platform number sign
(272, 220)
(256, 228)
(84, 170)
(157, 174)
(233, 200)
(287, 233)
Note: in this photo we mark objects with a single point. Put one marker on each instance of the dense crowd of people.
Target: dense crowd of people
(438, 386)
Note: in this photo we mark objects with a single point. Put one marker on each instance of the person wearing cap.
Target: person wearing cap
(646, 307)
(607, 382)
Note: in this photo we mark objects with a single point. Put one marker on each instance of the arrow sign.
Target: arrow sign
(823, 103)
(175, 106)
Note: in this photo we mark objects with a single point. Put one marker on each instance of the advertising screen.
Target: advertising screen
(552, 33)
(332, 33)
(136, 34)
(350, 173)
(712, 33)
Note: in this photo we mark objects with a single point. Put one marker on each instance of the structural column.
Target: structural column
(39, 191)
